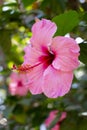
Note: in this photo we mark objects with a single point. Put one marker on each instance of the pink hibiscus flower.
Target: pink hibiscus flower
(16, 86)
(49, 61)
(52, 116)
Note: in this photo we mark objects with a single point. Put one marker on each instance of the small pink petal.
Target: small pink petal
(66, 52)
(22, 91)
(63, 116)
(16, 85)
(12, 88)
(14, 77)
(56, 127)
(37, 20)
(56, 83)
(52, 116)
(42, 31)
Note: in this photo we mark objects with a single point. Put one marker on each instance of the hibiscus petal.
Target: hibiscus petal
(63, 116)
(51, 117)
(35, 78)
(66, 52)
(12, 88)
(56, 127)
(16, 86)
(42, 32)
(31, 56)
(22, 91)
(14, 77)
(56, 83)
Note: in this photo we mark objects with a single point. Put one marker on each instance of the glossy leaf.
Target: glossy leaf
(66, 22)
(83, 53)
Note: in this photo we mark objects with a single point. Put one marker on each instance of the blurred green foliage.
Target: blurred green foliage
(16, 20)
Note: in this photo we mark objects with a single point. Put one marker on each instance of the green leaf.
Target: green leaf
(5, 41)
(66, 22)
(70, 123)
(28, 2)
(83, 53)
(21, 118)
(83, 124)
(62, 4)
(8, 111)
(85, 16)
(25, 102)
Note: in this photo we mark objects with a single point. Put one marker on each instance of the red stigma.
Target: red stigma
(14, 67)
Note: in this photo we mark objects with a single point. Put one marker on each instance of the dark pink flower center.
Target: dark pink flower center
(47, 59)
(20, 84)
